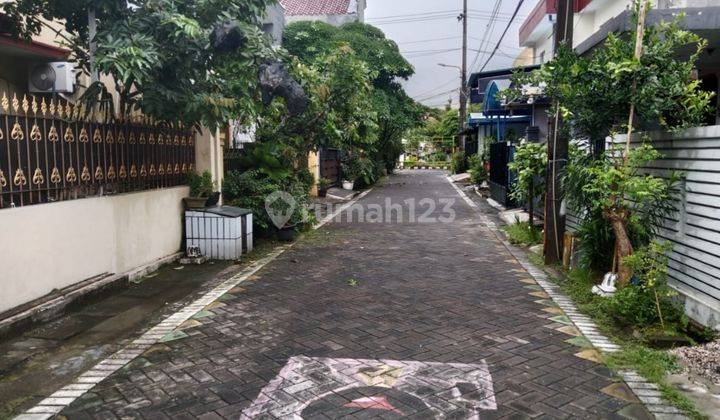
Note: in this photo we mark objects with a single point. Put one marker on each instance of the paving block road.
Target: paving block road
(375, 318)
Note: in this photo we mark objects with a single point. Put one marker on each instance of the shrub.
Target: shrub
(476, 166)
(459, 163)
(201, 185)
(523, 233)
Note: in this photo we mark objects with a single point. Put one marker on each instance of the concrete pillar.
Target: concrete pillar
(209, 155)
(314, 168)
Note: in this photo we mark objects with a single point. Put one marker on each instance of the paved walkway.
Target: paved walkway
(373, 320)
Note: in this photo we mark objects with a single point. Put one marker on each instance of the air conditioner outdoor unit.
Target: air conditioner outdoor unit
(52, 77)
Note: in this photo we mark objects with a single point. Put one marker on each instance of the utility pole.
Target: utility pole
(463, 79)
(557, 151)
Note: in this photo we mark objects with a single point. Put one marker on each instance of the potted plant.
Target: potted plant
(323, 185)
(202, 188)
(350, 173)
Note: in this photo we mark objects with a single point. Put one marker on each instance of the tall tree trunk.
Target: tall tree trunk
(531, 203)
(624, 247)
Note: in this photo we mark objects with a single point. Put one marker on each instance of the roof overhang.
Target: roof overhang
(478, 82)
(704, 20)
(33, 49)
(540, 21)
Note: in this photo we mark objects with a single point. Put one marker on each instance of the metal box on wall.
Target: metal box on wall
(221, 233)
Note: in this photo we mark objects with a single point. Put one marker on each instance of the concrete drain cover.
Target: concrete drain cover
(310, 387)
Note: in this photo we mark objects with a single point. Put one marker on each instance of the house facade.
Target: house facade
(334, 12)
(694, 263)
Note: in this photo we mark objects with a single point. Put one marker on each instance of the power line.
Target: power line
(488, 28)
(517, 9)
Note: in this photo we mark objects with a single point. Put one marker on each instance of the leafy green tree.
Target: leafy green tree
(158, 53)
(395, 111)
(530, 163)
(595, 95)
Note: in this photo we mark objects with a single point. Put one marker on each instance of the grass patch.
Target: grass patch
(650, 363)
(523, 233)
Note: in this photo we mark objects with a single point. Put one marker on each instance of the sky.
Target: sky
(428, 33)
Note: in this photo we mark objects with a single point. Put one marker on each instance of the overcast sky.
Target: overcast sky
(428, 33)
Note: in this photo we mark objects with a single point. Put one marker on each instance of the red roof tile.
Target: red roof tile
(315, 7)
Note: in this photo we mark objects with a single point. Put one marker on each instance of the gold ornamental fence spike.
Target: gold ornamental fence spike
(151, 138)
(169, 169)
(71, 175)
(121, 137)
(161, 169)
(51, 108)
(2, 135)
(69, 135)
(60, 109)
(19, 179)
(43, 107)
(3, 181)
(153, 172)
(84, 137)
(184, 168)
(55, 176)
(160, 139)
(99, 173)
(131, 139)
(97, 137)
(15, 103)
(25, 104)
(133, 171)
(53, 134)
(34, 105)
(109, 139)
(177, 169)
(35, 134)
(38, 177)
(143, 171)
(111, 173)
(85, 175)
(17, 133)
(5, 104)
(122, 173)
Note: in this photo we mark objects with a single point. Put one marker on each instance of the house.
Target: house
(694, 263)
(334, 12)
(595, 19)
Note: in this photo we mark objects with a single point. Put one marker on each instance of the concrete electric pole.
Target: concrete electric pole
(557, 151)
(463, 79)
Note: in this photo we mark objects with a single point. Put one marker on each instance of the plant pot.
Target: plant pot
(287, 233)
(195, 202)
(348, 185)
(322, 193)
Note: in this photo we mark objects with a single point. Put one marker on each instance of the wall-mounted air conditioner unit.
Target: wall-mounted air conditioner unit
(52, 77)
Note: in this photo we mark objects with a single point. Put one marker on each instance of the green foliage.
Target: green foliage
(476, 167)
(596, 91)
(324, 183)
(529, 162)
(393, 112)
(596, 186)
(459, 163)
(249, 189)
(201, 185)
(523, 233)
(158, 53)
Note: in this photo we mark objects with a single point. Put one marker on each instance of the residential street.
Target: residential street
(373, 320)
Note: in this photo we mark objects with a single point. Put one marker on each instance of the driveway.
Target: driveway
(374, 318)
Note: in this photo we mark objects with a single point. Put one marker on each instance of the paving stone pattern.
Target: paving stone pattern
(368, 308)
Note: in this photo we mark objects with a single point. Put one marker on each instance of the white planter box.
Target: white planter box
(221, 233)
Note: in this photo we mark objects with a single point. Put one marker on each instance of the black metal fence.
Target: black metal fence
(501, 154)
(330, 165)
(51, 150)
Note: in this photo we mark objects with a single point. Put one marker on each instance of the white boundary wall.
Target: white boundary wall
(55, 245)
(694, 230)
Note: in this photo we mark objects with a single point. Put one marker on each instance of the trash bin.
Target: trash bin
(221, 233)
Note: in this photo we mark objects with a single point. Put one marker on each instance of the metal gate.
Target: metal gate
(330, 165)
(501, 153)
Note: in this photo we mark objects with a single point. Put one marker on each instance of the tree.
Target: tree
(396, 112)
(158, 53)
(595, 94)
(530, 163)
